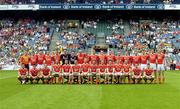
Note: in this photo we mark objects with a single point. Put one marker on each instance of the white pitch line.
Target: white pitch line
(6, 77)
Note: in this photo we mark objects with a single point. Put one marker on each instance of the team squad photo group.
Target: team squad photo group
(82, 68)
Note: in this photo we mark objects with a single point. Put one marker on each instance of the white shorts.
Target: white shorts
(148, 77)
(50, 67)
(75, 73)
(143, 66)
(153, 66)
(160, 67)
(134, 76)
(40, 66)
(66, 74)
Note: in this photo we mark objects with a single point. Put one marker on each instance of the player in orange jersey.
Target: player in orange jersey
(161, 66)
(136, 74)
(153, 63)
(85, 70)
(22, 75)
(67, 72)
(127, 72)
(76, 71)
(110, 73)
(148, 74)
(46, 74)
(102, 68)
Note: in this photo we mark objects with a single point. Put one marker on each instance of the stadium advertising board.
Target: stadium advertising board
(91, 7)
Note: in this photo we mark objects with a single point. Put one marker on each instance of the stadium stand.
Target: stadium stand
(118, 33)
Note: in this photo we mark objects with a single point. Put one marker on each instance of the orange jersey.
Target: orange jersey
(23, 71)
(66, 68)
(25, 59)
(56, 58)
(85, 67)
(118, 67)
(110, 68)
(127, 68)
(93, 58)
(120, 59)
(34, 71)
(152, 58)
(136, 59)
(76, 68)
(40, 59)
(111, 58)
(102, 58)
(137, 71)
(144, 59)
(160, 58)
(81, 57)
(56, 68)
(94, 68)
(46, 71)
(48, 60)
(149, 71)
(102, 68)
(128, 59)
(33, 59)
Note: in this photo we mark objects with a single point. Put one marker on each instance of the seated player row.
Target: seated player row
(86, 73)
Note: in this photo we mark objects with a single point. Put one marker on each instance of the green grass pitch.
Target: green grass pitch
(138, 96)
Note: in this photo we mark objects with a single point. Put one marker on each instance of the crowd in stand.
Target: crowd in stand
(23, 35)
(89, 1)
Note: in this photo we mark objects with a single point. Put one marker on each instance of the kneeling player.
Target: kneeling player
(22, 75)
(127, 72)
(34, 74)
(118, 73)
(85, 72)
(137, 74)
(101, 72)
(148, 74)
(56, 69)
(66, 69)
(76, 72)
(46, 77)
(110, 73)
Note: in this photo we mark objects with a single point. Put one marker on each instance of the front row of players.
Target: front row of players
(87, 74)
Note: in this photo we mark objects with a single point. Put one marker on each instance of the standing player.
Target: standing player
(136, 60)
(161, 66)
(24, 60)
(80, 57)
(40, 61)
(148, 74)
(111, 57)
(144, 60)
(65, 57)
(152, 60)
(67, 73)
(119, 58)
(22, 74)
(46, 75)
(128, 58)
(127, 72)
(48, 60)
(136, 74)
(102, 57)
(34, 74)
(56, 57)
(33, 59)
(72, 58)
(93, 59)
(76, 72)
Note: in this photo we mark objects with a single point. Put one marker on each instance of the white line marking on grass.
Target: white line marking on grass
(6, 77)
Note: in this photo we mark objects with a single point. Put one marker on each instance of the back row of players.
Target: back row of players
(92, 68)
